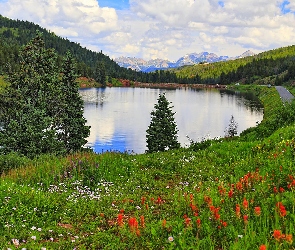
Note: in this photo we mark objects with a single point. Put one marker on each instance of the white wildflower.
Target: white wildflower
(15, 242)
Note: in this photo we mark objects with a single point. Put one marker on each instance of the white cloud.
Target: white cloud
(291, 6)
(220, 30)
(79, 17)
(197, 25)
(205, 38)
(164, 28)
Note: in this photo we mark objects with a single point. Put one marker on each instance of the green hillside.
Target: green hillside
(278, 65)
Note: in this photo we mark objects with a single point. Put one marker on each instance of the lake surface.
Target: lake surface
(119, 117)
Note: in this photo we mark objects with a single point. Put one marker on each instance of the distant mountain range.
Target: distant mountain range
(189, 59)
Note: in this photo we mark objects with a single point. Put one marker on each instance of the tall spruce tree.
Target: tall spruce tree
(162, 131)
(34, 109)
(100, 73)
(72, 128)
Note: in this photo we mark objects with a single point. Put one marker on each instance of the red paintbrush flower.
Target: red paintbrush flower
(238, 210)
(164, 222)
(224, 223)
(245, 204)
(239, 186)
(133, 224)
(230, 193)
(187, 221)
(143, 200)
(120, 220)
(142, 223)
(257, 211)
(288, 238)
(245, 218)
(262, 247)
(198, 222)
(282, 209)
(277, 234)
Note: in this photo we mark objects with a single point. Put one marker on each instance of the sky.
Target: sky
(166, 29)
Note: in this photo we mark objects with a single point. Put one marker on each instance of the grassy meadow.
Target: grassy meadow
(221, 194)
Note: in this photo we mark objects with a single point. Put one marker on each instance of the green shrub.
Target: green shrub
(12, 161)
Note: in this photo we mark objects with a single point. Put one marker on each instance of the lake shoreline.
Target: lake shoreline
(135, 84)
(90, 83)
(176, 85)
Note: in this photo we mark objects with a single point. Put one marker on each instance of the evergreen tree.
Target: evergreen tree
(162, 131)
(35, 108)
(100, 73)
(232, 128)
(24, 105)
(72, 127)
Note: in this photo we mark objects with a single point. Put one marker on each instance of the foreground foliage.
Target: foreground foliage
(233, 194)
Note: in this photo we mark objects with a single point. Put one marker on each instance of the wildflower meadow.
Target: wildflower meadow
(235, 193)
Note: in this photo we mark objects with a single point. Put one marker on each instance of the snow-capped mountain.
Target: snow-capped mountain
(195, 58)
(246, 53)
(142, 65)
(188, 59)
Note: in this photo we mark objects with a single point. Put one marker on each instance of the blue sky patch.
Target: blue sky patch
(284, 7)
(221, 3)
(116, 4)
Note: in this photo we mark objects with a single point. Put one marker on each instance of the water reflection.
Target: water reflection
(119, 117)
(247, 99)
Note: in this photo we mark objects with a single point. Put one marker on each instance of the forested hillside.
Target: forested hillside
(275, 66)
(15, 33)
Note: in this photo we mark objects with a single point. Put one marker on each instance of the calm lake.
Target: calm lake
(119, 117)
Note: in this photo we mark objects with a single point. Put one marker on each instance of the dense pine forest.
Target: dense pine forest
(271, 67)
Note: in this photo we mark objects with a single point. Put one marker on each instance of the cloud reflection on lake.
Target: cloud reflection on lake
(119, 117)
